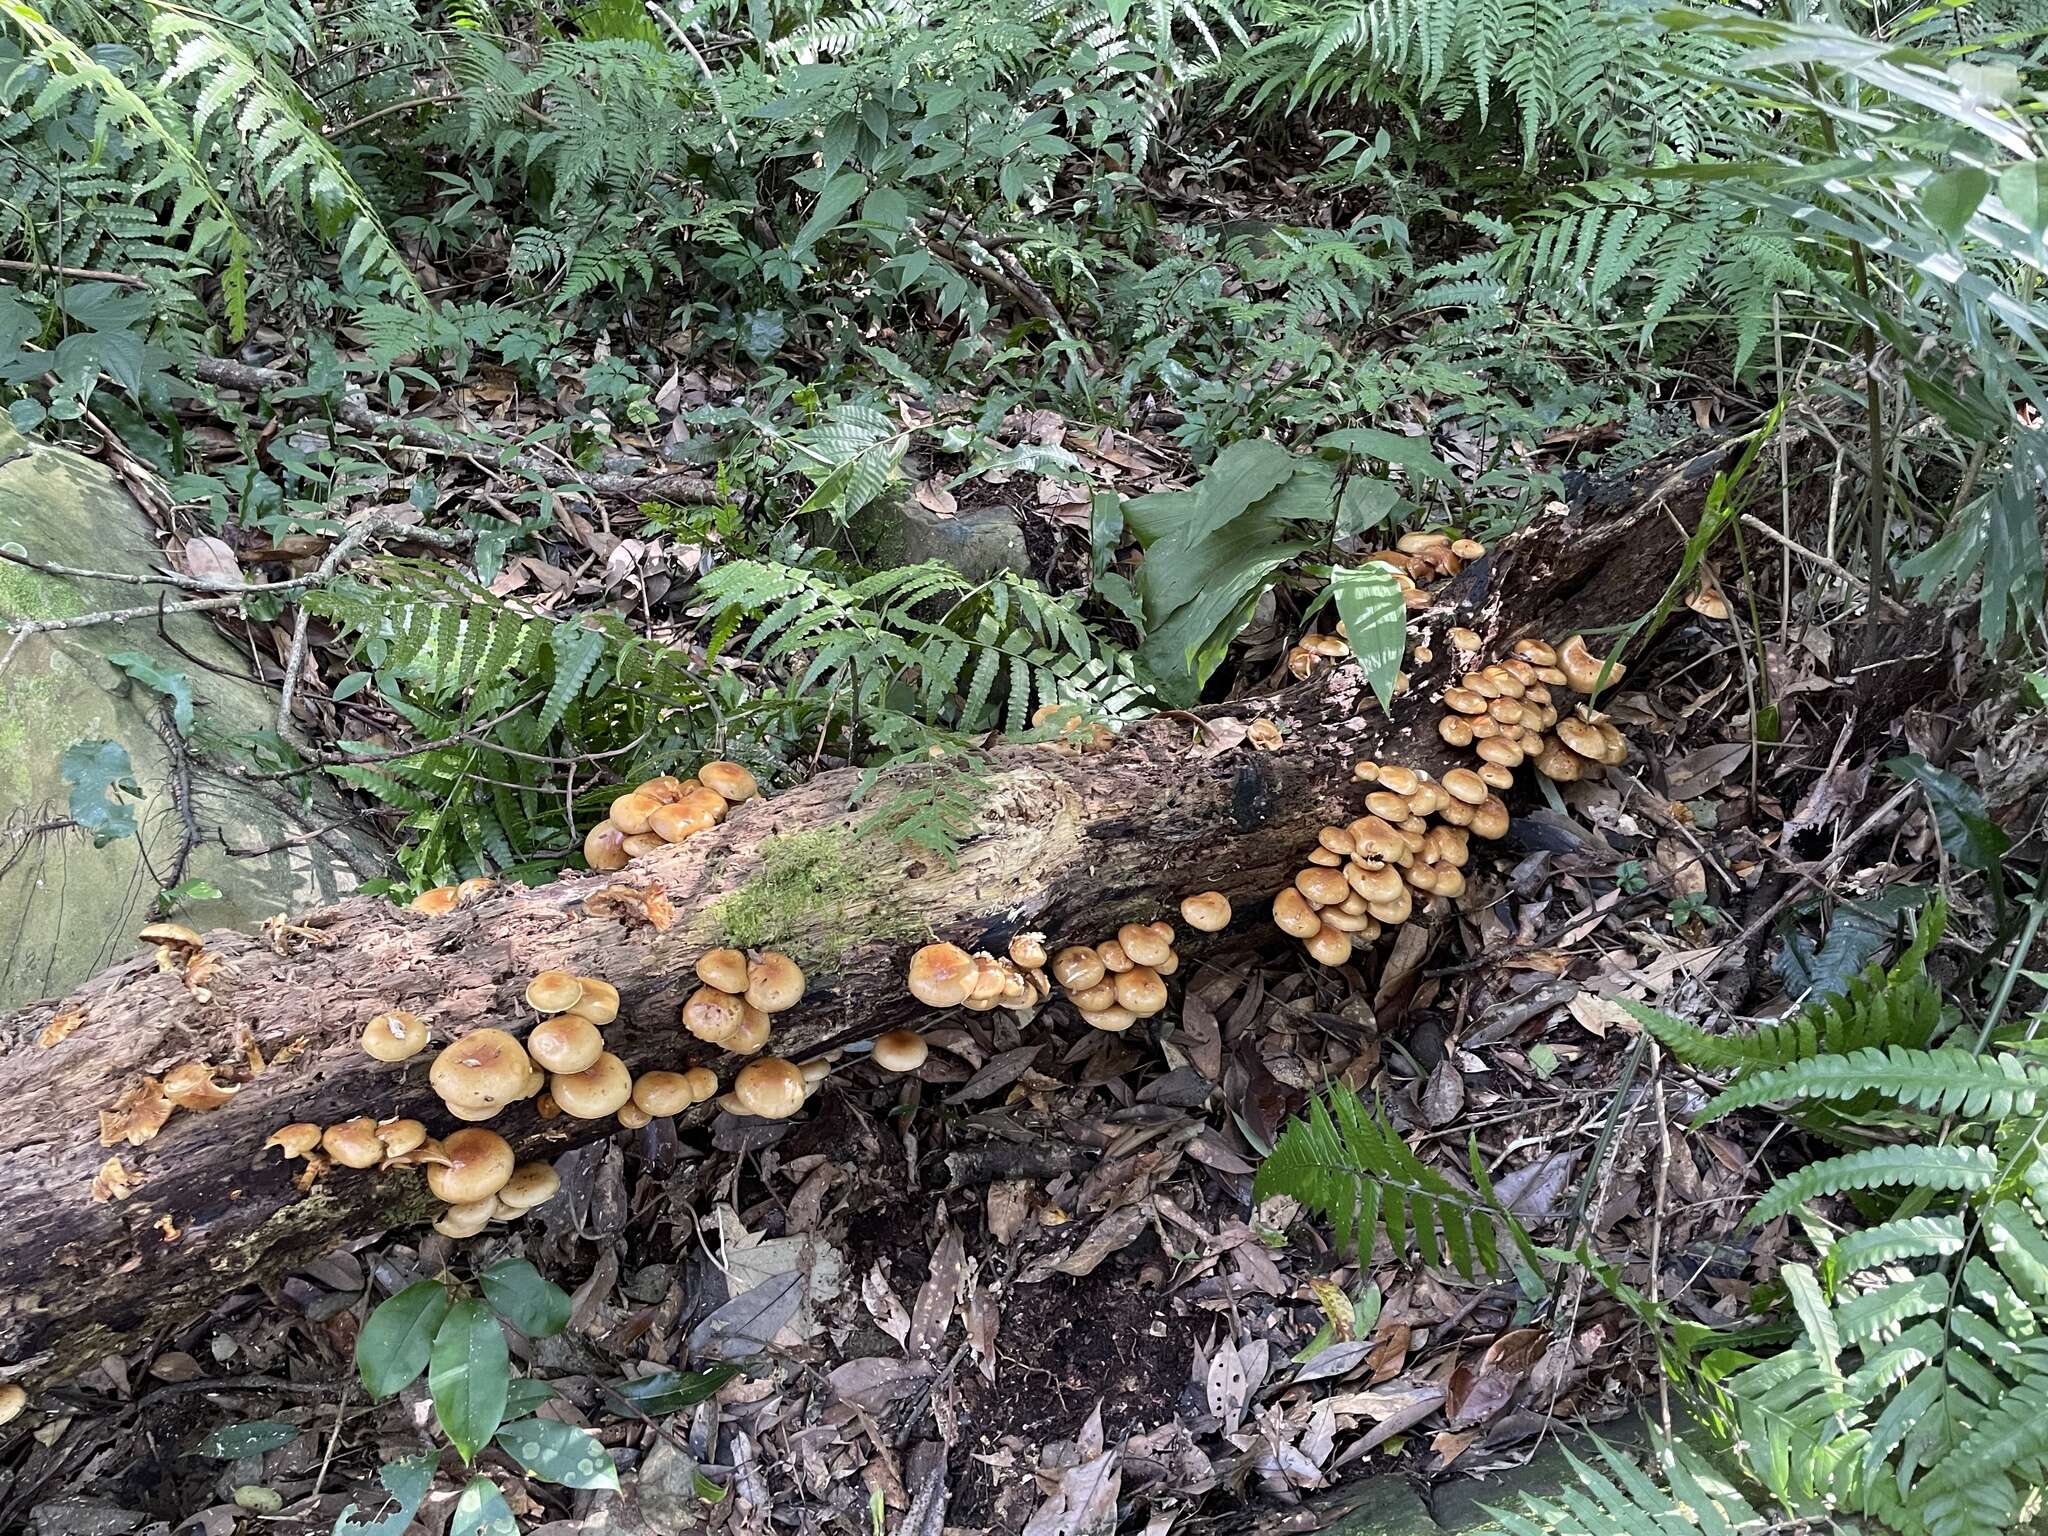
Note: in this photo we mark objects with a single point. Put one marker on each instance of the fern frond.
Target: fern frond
(1950, 1081)
(1960, 1168)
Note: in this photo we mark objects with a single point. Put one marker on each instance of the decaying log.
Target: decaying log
(1069, 845)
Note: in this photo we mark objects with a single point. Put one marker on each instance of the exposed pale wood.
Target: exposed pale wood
(1071, 846)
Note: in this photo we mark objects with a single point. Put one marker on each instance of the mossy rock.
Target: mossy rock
(67, 907)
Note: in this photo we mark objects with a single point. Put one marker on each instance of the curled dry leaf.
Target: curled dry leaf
(190, 1085)
(1264, 735)
(138, 1114)
(114, 1181)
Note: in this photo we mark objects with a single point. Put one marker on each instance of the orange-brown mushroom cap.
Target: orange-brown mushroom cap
(942, 975)
(479, 1164)
(774, 982)
(598, 1090)
(484, 1069)
(900, 1050)
(394, 1036)
(770, 1088)
(565, 1043)
(1206, 911)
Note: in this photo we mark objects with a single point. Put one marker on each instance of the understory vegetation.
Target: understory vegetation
(1305, 275)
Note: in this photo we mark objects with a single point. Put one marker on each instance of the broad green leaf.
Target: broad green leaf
(175, 686)
(407, 1484)
(95, 769)
(1952, 197)
(559, 1453)
(524, 1394)
(667, 1392)
(839, 196)
(1367, 503)
(1968, 834)
(1411, 453)
(467, 1374)
(529, 1303)
(250, 1439)
(1242, 475)
(393, 1347)
(480, 1510)
(2023, 188)
(1375, 618)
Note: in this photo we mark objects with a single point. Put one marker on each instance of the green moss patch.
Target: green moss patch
(814, 896)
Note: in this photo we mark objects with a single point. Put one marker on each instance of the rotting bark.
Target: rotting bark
(1072, 846)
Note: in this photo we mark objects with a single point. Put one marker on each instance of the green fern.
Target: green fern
(1615, 1498)
(1347, 1164)
(1949, 1081)
(1971, 1169)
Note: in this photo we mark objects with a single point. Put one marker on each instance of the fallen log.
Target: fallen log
(107, 1245)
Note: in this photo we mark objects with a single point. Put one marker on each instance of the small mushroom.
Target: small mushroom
(942, 975)
(729, 780)
(1324, 887)
(598, 1090)
(1141, 990)
(565, 1043)
(725, 969)
(353, 1143)
(295, 1140)
(1465, 701)
(771, 1088)
(1293, 913)
(1094, 999)
(399, 1137)
(632, 1116)
(1206, 911)
(815, 1071)
(1328, 945)
(1077, 967)
(1494, 776)
(485, 1069)
(1582, 737)
(900, 1050)
(633, 812)
(599, 1002)
(666, 788)
(438, 902)
(662, 1093)
(1490, 820)
(1584, 671)
(703, 1084)
(531, 1184)
(714, 1016)
(394, 1036)
(1115, 959)
(1028, 950)
(1143, 944)
(553, 992)
(190, 1085)
(753, 1031)
(1113, 1019)
(774, 982)
(460, 1221)
(12, 1400)
(604, 848)
(479, 1164)
(683, 820)
(472, 889)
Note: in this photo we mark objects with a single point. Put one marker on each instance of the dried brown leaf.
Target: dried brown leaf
(137, 1115)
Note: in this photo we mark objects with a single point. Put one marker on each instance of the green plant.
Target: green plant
(1615, 1498)
(1347, 1164)
(456, 1335)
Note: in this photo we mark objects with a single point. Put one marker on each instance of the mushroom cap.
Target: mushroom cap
(1028, 950)
(1328, 945)
(531, 1184)
(353, 1143)
(1387, 805)
(1324, 887)
(665, 787)
(730, 780)
(1467, 549)
(1499, 749)
(632, 1116)
(752, 1034)
(598, 1090)
(942, 975)
(1376, 837)
(1115, 959)
(1206, 911)
(1582, 736)
(1450, 880)
(479, 1163)
(460, 1221)
(770, 1088)
(725, 969)
(296, 1139)
(704, 801)
(703, 1084)
(1077, 967)
(1583, 670)
(599, 1002)
(567, 1042)
(1402, 781)
(1337, 840)
(633, 812)
(394, 1036)
(900, 1050)
(1490, 820)
(1616, 743)
(604, 848)
(1382, 884)
(1093, 999)
(484, 1069)
(662, 1093)
(1464, 701)
(1141, 990)
(1353, 923)
(1397, 908)
(1143, 944)
(13, 1398)
(774, 982)
(714, 1016)
(639, 844)
(1293, 913)
(437, 902)
(685, 819)
(398, 1137)
(553, 992)
(1503, 681)
(815, 1071)
(475, 1114)
(1497, 777)
(1115, 1019)
(470, 889)
(990, 980)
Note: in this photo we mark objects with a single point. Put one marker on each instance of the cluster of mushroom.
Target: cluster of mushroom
(1505, 713)
(443, 899)
(666, 810)
(731, 1009)
(472, 1170)
(947, 976)
(1423, 557)
(1364, 878)
(774, 1089)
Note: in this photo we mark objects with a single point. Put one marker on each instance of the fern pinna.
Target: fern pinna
(1916, 1390)
(1347, 1164)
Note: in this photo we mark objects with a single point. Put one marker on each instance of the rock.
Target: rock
(976, 541)
(67, 907)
